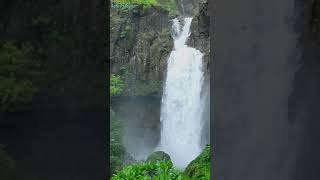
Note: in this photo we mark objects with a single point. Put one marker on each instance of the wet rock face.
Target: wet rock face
(141, 42)
(140, 45)
(199, 37)
(191, 7)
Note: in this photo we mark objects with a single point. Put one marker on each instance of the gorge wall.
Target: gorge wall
(139, 47)
(141, 43)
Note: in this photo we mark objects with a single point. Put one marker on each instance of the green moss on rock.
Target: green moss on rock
(199, 168)
(157, 156)
(142, 46)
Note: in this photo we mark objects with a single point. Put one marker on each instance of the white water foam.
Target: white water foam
(181, 103)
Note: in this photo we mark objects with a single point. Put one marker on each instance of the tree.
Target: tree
(116, 85)
(117, 149)
(20, 74)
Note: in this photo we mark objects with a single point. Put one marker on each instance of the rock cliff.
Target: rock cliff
(141, 44)
(200, 37)
(139, 48)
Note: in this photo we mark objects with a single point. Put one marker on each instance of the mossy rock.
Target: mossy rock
(199, 168)
(158, 156)
(7, 166)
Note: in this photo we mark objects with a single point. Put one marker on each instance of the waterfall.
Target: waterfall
(182, 7)
(181, 102)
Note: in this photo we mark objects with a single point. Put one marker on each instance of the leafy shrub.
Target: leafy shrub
(117, 150)
(200, 167)
(143, 2)
(169, 5)
(116, 85)
(159, 170)
(20, 73)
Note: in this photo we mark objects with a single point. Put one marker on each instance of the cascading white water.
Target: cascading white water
(181, 102)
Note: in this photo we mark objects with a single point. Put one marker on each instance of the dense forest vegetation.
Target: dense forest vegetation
(52, 67)
(166, 4)
(21, 71)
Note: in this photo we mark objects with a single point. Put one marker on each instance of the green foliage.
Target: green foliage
(169, 5)
(7, 166)
(20, 73)
(142, 2)
(117, 150)
(116, 85)
(56, 36)
(200, 167)
(160, 170)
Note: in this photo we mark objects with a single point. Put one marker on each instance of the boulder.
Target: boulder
(158, 155)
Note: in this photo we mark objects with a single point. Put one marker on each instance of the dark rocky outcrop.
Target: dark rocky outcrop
(200, 37)
(139, 48)
(157, 156)
(128, 159)
(140, 45)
